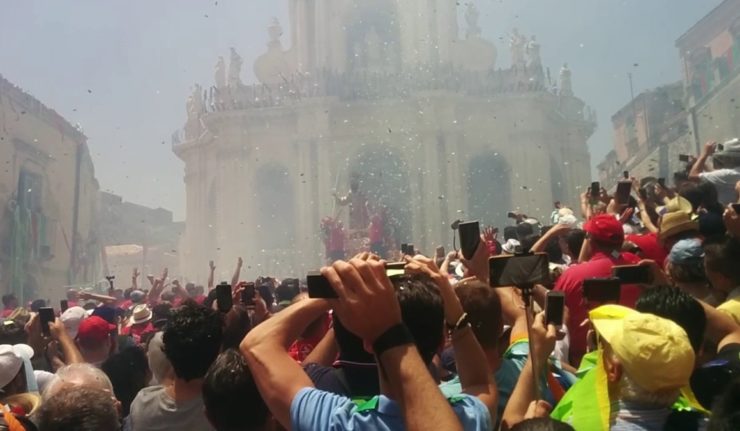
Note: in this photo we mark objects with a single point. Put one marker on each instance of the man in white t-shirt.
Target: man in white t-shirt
(726, 172)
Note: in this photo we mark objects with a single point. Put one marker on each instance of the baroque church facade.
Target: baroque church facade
(379, 112)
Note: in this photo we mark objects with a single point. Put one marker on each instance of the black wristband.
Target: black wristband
(395, 336)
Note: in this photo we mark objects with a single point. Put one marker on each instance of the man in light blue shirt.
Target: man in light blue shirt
(401, 320)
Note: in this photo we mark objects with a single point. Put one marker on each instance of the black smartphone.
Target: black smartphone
(404, 249)
(410, 249)
(248, 295)
(519, 271)
(319, 286)
(511, 214)
(623, 192)
(63, 305)
(595, 190)
(684, 157)
(626, 175)
(46, 316)
(661, 182)
(554, 305)
(736, 207)
(469, 238)
(223, 297)
(602, 290)
(632, 274)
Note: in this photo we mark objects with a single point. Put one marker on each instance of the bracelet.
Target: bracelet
(394, 336)
(461, 322)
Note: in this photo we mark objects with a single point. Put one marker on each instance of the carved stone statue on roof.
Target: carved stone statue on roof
(220, 73)
(566, 86)
(471, 18)
(517, 44)
(235, 69)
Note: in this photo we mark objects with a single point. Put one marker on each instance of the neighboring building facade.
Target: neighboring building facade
(710, 51)
(136, 236)
(383, 105)
(49, 199)
(649, 134)
(658, 125)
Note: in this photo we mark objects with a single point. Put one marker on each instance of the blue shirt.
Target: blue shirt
(312, 409)
(507, 376)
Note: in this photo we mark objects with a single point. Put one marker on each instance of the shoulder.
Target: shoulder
(316, 409)
(147, 394)
(471, 411)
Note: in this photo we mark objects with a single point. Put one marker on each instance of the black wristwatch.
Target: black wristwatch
(398, 335)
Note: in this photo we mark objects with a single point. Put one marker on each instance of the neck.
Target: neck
(182, 391)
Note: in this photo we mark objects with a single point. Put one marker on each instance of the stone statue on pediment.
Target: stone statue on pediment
(235, 69)
(220, 73)
(566, 86)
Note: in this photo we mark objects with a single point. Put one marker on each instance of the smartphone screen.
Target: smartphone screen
(410, 249)
(661, 182)
(519, 270)
(554, 305)
(248, 295)
(602, 290)
(683, 158)
(64, 305)
(223, 296)
(46, 316)
(469, 238)
(623, 192)
(626, 175)
(632, 274)
(595, 190)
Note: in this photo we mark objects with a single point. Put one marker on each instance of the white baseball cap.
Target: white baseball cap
(12, 358)
(71, 318)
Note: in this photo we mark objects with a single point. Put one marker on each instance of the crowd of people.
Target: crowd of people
(434, 347)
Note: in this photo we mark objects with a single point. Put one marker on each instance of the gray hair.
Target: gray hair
(632, 392)
(78, 375)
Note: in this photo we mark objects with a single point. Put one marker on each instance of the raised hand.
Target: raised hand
(367, 303)
(211, 265)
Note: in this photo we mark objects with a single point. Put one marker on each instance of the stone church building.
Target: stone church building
(378, 123)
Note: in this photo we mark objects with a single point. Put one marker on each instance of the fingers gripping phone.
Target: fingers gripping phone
(319, 286)
(469, 238)
(46, 316)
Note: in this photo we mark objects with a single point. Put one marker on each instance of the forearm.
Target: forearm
(645, 217)
(210, 279)
(699, 166)
(325, 352)
(470, 359)
(720, 329)
(280, 331)
(235, 277)
(71, 354)
(407, 375)
(521, 397)
(541, 243)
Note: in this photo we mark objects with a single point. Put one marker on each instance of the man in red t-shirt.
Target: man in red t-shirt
(10, 303)
(604, 236)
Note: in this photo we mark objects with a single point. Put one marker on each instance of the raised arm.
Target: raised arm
(475, 377)
(700, 163)
(135, 278)
(211, 271)
(541, 245)
(325, 352)
(543, 342)
(368, 307)
(237, 272)
(277, 375)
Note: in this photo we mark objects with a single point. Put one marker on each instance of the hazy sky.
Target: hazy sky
(123, 69)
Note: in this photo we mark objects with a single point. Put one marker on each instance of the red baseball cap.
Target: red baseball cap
(606, 229)
(94, 329)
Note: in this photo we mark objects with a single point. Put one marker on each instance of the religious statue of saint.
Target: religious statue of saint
(516, 43)
(220, 73)
(471, 18)
(235, 69)
(533, 52)
(357, 202)
(566, 86)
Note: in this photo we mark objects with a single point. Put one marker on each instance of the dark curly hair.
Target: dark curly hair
(192, 340)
